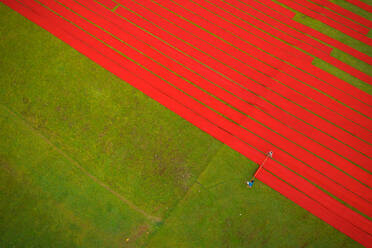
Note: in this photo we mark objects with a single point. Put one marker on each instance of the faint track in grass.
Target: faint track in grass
(181, 199)
(86, 172)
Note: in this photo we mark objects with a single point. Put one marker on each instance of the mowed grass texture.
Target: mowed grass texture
(86, 160)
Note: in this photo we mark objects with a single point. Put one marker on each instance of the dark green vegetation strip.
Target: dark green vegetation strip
(59, 109)
(354, 8)
(343, 75)
(323, 28)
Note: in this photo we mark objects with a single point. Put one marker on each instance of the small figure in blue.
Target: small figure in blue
(250, 183)
(268, 155)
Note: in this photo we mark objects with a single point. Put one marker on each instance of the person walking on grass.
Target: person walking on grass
(250, 183)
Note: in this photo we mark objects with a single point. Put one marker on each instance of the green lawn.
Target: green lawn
(86, 160)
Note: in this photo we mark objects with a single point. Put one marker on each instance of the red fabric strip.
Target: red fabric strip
(342, 11)
(108, 3)
(340, 90)
(214, 104)
(270, 60)
(178, 32)
(361, 5)
(278, 8)
(327, 21)
(348, 23)
(314, 33)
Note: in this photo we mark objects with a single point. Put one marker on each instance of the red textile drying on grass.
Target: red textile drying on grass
(238, 74)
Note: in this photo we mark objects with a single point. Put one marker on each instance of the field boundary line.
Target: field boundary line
(86, 172)
(171, 211)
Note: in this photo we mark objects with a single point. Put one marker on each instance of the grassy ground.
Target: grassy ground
(88, 161)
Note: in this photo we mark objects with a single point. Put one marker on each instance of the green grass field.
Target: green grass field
(87, 160)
